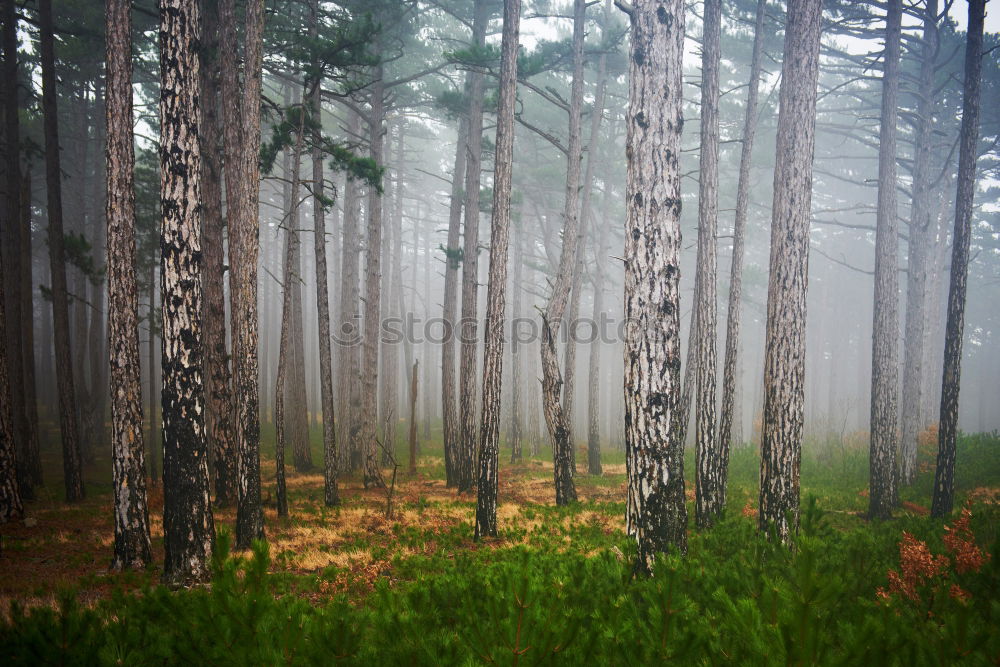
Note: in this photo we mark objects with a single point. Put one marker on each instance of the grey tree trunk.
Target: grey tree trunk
(413, 417)
(784, 357)
(555, 416)
(655, 514)
(594, 388)
(132, 548)
(289, 283)
(707, 465)
(188, 527)
(11, 506)
(486, 500)
(350, 334)
(920, 232)
(733, 361)
(469, 325)
(295, 380)
(241, 122)
(18, 308)
(218, 390)
(944, 475)
(32, 447)
(885, 321)
(331, 494)
(516, 434)
(369, 378)
(72, 463)
(453, 260)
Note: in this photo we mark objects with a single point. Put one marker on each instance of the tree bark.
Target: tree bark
(486, 499)
(132, 548)
(707, 465)
(944, 475)
(453, 260)
(188, 527)
(218, 390)
(11, 506)
(885, 321)
(468, 327)
(289, 281)
(784, 359)
(413, 417)
(350, 333)
(295, 375)
(654, 455)
(516, 434)
(72, 464)
(32, 447)
(331, 494)
(920, 231)
(732, 362)
(373, 328)
(17, 310)
(241, 121)
(555, 416)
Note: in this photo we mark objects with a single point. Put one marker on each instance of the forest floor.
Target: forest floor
(352, 551)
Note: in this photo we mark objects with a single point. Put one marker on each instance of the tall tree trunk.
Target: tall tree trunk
(97, 330)
(654, 455)
(241, 122)
(555, 416)
(453, 260)
(944, 475)
(373, 328)
(885, 322)
(784, 361)
(295, 380)
(516, 434)
(486, 499)
(188, 527)
(413, 417)
(920, 231)
(11, 506)
(732, 362)
(289, 283)
(594, 388)
(15, 345)
(468, 327)
(155, 450)
(350, 316)
(690, 363)
(220, 404)
(132, 546)
(707, 468)
(32, 447)
(331, 494)
(72, 465)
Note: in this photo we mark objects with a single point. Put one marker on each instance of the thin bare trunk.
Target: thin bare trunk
(784, 361)
(72, 464)
(944, 475)
(132, 548)
(555, 417)
(885, 332)
(486, 500)
(733, 359)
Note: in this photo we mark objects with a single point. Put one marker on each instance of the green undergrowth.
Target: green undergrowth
(736, 598)
(557, 587)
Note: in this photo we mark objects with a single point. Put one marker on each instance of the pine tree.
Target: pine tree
(784, 359)
(655, 513)
(132, 546)
(885, 354)
(486, 501)
(944, 474)
(72, 460)
(188, 526)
